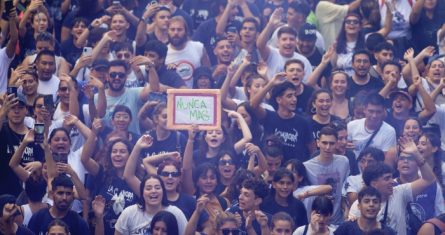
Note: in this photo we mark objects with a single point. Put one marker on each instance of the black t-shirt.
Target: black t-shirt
(69, 19)
(303, 99)
(295, 132)
(41, 219)
(110, 187)
(10, 141)
(315, 60)
(170, 77)
(206, 34)
(256, 226)
(295, 209)
(70, 52)
(22, 230)
(425, 30)
(352, 228)
(199, 10)
(374, 84)
(176, 141)
(316, 126)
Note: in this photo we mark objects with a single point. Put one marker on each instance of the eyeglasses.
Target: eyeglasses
(63, 89)
(117, 74)
(230, 231)
(170, 174)
(225, 162)
(354, 22)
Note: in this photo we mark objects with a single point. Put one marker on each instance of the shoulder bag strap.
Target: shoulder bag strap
(372, 136)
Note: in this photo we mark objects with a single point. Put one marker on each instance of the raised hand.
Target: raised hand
(97, 126)
(98, 205)
(193, 130)
(407, 145)
(252, 149)
(428, 51)
(32, 166)
(145, 141)
(409, 54)
(275, 18)
(70, 120)
(201, 203)
(261, 218)
(279, 78)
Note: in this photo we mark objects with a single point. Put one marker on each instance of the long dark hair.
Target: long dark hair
(164, 201)
(204, 147)
(234, 188)
(437, 168)
(313, 98)
(280, 174)
(298, 167)
(255, 127)
(169, 219)
(341, 39)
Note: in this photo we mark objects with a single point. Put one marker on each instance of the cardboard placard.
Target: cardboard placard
(193, 106)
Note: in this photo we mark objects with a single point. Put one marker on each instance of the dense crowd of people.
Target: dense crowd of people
(333, 117)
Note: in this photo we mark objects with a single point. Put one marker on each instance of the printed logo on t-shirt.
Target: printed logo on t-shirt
(330, 178)
(290, 139)
(185, 69)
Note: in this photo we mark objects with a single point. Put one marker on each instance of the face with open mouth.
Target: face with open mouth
(369, 207)
(152, 192)
(295, 73)
(60, 142)
(119, 24)
(436, 71)
(223, 51)
(400, 104)
(407, 165)
(121, 120)
(426, 148)
(412, 129)
(322, 104)
(286, 44)
(214, 138)
(170, 177)
(226, 167)
(119, 155)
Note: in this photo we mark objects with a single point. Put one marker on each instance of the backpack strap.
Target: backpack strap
(305, 229)
(438, 223)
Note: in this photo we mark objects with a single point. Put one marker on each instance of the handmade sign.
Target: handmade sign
(193, 106)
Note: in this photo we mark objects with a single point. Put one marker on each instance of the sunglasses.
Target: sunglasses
(407, 158)
(117, 74)
(351, 21)
(231, 231)
(170, 174)
(124, 56)
(225, 162)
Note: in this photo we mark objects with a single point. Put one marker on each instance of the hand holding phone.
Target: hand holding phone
(39, 129)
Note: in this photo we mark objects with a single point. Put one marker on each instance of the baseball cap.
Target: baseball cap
(100, 63)
(202, 71)
(393, 95)
(307, 32)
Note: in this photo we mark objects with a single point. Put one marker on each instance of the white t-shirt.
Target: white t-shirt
(383, 140)
(275, 63)
(49, 87)
(186, 60)
(319, 43)
(5, 61)
(308, 200)
(400, 18)
(354, 183)
(402, 194)
(300, 230)
(135, 221)
(439, 119)
(335, 174)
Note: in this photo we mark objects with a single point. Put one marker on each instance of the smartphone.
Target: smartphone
(48, 102)
(116, 2)
(153, 2)
(11, 90)
(8, 6)
(87, 51)
(60, 157)
(39, 128)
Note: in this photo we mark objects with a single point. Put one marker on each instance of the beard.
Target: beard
(178, 41)
(113, 87)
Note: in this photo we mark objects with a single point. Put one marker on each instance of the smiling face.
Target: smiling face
(64, 92)
(384, 184)
(207, 182)
(322, 104)
(426, 148)
(283, 187)
(46, 66)
(374, 115)
(116, 78)
(286, 44)
(412, 129)
(369, 207)
(352, 25)
(170, 175)
(339, 84)
(121, 120)
(361, 65)
(295, 73)
(152, 192)
(29, 84)
(119, 24)
(226, 167)
(223, 51)
(119, 155)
